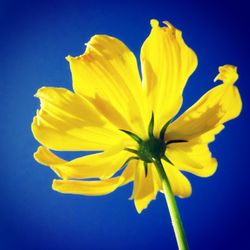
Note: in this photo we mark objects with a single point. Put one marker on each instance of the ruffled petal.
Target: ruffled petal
(203, 120)
(167, 63)
(94, 188)
(68, 122)
(180, 185)
(193, 158)
(47, 158)
(145, 187)
(99, 165)
(107, 75)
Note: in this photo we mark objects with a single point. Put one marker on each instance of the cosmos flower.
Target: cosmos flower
(129, 120)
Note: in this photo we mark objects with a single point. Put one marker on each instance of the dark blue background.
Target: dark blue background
(35, 38)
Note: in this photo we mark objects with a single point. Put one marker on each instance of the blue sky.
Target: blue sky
(35, 38)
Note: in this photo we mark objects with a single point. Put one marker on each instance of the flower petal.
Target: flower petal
(179, 183)
(192, 157)
(68, 122)
(47, 158)
(108, 76)
(99, 165)
(206, 117)
(94, 188)
(145, 187)
(167, 62)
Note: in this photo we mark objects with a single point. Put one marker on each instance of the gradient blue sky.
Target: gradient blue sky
(35, 38)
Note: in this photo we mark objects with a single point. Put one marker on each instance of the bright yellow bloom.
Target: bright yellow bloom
(109, 98)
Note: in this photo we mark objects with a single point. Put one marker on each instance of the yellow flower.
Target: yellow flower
(111, 111)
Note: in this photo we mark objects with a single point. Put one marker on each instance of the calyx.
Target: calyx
(153, 148)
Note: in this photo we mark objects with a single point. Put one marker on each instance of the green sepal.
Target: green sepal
(151, 127)
(130, 159)
(131, 150)
(146, 168)
(165, 158)
(175, 141)
(164, 128)
(132, 135)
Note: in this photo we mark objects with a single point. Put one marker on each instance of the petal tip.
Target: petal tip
(37, 153)
(168, 24)
(68, 58)
(227, 73)
(138, 207)
(58, 185)
(154, 23)
(213, 167)
(40, 91)
(54, 185)
(37, 93)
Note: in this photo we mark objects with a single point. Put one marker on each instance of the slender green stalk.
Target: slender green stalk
(172, 207)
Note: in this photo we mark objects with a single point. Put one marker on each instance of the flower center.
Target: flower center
(150, 149)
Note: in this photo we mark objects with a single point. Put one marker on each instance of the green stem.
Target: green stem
(172, 207)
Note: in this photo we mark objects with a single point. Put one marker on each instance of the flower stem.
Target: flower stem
(172, 207)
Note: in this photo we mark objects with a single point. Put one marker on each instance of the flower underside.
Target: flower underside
(111, 100)
(152, 148)
(110, 111)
